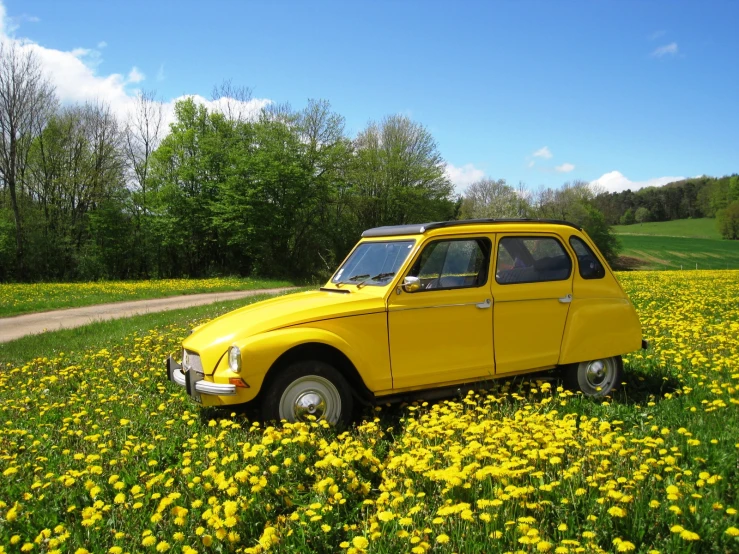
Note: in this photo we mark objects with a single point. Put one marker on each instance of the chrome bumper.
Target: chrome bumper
(194, 383)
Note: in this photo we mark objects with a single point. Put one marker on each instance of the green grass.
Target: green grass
(16, 299)
(704, 228)
(664, 252)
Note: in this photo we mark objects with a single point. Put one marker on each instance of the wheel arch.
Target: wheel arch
(325, 353)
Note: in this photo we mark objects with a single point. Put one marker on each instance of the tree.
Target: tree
(142, 136)
(74, 166)
(398, 176)
(642, 214)
(727, 220)
(26, 101)
(562, 202)
(628, 218)
(488, 198)
(575, 202)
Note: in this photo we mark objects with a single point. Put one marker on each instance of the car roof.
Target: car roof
(421, 228)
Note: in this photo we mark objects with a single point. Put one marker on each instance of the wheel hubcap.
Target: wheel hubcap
(308, 396)
(309, 403)
(597, 373)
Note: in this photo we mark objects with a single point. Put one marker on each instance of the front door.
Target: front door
(443, 331)
(532, 290)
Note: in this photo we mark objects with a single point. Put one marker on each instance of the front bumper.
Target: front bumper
(193, 381)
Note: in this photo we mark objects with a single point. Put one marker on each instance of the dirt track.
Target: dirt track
(12, 328)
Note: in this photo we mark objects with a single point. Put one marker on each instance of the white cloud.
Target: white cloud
(667, 49)
(135, 76)
(160, 74)
(543, 153)
(463, 176)
(615, 181)
(75, 75)
(655, 35)
(564, 168)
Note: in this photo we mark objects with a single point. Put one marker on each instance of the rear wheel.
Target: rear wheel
(596, 378)
(308, 388)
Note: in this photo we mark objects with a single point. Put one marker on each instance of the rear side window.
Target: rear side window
(588, 263)
(531, 260)
(453, 264)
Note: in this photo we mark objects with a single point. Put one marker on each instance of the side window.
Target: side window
(588, 263)
(531, 260)
(453, 264)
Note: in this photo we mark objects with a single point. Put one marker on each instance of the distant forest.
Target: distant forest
(691, 198)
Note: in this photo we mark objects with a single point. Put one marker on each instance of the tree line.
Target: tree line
(279, 192)
(689, 198)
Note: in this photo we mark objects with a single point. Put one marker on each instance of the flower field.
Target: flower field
(99, 453)
(25, 298)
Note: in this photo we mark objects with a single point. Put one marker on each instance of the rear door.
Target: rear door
(532, 291)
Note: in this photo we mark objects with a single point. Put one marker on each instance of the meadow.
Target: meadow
(662, 252)
(16, 299)
(700, 228)
(679, 244)
(99, 453)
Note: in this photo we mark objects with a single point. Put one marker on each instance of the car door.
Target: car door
(532, 291)
(444, 330)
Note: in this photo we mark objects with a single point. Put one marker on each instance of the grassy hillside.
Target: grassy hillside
(658, 252)
(704, 228)
(679, 244)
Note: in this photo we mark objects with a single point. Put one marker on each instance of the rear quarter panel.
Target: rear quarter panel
(602, 321)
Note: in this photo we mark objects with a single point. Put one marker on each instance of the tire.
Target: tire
(595, 378)
(308, 388)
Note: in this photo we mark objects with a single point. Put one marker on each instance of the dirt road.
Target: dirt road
(12, 328)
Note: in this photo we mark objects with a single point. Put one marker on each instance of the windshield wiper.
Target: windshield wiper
(376, 278)
(354, 278)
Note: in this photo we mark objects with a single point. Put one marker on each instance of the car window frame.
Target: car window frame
(486, 265)
(414, 245)
(593, 253)
(556, 238)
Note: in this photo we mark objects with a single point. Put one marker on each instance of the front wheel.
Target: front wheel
(305, 389)
(596, 378)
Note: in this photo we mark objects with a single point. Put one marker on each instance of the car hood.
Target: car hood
(212, 339)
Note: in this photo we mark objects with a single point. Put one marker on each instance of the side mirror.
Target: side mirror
(411, 284)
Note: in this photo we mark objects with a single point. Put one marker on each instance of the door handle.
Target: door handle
(565, 299)
(485, 304)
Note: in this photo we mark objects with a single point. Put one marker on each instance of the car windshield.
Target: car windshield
(373, 263)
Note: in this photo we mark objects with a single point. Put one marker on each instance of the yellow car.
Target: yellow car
(432, 308)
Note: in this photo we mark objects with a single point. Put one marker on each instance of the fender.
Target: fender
(261, 351)
(599, 328)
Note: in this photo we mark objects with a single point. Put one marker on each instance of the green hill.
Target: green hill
(678, 244)
(704, 228)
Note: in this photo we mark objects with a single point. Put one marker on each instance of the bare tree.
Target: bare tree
(232, 100)
(141, 137)
(26, 101)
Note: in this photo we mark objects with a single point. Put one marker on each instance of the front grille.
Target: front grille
(191, 360)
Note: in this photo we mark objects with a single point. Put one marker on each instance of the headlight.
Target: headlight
(234, 358)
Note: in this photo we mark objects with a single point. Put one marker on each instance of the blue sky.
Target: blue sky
(623, 92)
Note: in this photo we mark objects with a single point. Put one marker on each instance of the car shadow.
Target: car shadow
(641, 387)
